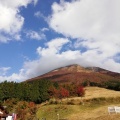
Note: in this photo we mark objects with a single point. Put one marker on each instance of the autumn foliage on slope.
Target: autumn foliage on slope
(77, 74)
(66, 91)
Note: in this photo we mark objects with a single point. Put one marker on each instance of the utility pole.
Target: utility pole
(58, 116)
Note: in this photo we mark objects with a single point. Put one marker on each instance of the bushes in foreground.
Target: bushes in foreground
(24, 110)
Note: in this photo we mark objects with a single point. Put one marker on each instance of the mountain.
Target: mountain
(78, 74)
(103, 71)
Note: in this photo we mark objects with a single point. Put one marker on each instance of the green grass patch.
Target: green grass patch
(50, 112)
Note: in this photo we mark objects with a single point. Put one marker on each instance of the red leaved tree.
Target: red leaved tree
(63, 93)
(80, 91)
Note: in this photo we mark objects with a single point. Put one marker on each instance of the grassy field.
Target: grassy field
(96, 102)
(95, 92)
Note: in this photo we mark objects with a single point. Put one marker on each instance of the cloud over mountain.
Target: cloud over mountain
(95, 24)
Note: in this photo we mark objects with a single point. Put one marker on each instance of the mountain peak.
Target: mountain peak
(72, 68)
(77, 73)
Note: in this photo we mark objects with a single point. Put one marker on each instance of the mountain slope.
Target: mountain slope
(77, 74)
(103, 71)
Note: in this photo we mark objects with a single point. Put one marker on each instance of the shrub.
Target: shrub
(70, 103)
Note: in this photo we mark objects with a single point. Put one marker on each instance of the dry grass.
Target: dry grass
(99, 113)
(97, 92)
(78, 112)
(91, 110)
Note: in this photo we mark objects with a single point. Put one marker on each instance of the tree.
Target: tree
(71, 88)
(53, 92)
(56, 85)
(8, 90)
(80, 91)
(63, 93)
(44, 86)
(86, 83)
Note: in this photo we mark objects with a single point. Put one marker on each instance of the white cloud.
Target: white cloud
(54, 55)
(97, 22)
(53, 47)
(4, 39)
(44, 29)
(11, 21)
(16, 3)
(35, 35)
(3, 70)
(48, 60)
(96, 25)
(14, 77)
(51, 57)
(38, 14)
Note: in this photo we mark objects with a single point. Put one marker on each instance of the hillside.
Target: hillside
(97, 92)
(103, 71)
(96, 103)
(78, 74)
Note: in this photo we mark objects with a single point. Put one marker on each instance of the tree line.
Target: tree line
(38, 91)
(111, 84)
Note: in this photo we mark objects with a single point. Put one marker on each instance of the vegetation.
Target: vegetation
(111, 84)
(96, 102)
(36, 92)
(89, 111)
(24, 110)
(24, 98)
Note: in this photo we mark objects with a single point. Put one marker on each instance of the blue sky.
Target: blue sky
(37, 36)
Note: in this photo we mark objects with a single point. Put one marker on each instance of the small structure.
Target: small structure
(114, 109)
(3, 112)
(111, 110)
(117, 109)
(9, 118)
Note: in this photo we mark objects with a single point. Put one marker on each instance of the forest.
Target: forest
(38, 91)
(42, 90)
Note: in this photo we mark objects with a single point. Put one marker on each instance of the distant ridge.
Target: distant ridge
(103, 71)
(76, 73)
